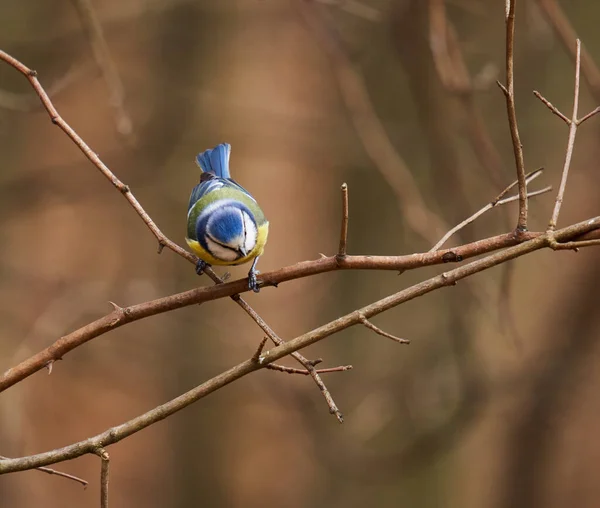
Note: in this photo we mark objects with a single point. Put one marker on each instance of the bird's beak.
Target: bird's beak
(243, 252)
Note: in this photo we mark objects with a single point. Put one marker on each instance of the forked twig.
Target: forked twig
(498, 201)
(573, 124)
(301, 359)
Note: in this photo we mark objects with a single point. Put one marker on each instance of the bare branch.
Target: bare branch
(68, 476)
(379, 331)
(570, 144)
(552, 107)
(509, 93)
(290, 370)
(105, 458)
(554, 245)
(305, 362)
(588, 116)
(344, 232)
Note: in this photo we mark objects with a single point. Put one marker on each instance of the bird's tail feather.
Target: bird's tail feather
(215, 160)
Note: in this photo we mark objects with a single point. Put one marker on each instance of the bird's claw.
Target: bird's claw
(201, 266)
(252, 282)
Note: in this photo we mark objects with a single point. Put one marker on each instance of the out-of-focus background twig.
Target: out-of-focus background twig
(463, 419)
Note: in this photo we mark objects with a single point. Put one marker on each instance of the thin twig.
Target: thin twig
(588, 116)
(107, 66)
(530, 177)
(570, 144)
(379, 331)
(552, 107)
(509, 94)
(344, 232)
(291, 370)
(105, 463)
(498, 201)
(68, 476)
(256, 356)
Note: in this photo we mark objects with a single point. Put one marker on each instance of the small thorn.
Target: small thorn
(115, 306)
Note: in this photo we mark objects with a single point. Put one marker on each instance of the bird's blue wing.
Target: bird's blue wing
(215, 160)
(208, 183)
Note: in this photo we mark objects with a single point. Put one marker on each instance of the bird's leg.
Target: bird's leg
(252, 282)
(200, 266)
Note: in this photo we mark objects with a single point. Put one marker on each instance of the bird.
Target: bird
(225, 224)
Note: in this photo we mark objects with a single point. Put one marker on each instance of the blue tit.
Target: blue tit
(225, 225)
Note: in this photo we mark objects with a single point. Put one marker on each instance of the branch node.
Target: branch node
(161, 246)
(54, 119)
(32, 73)
(49, 366)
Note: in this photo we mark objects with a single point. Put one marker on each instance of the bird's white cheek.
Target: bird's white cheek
(251, 233)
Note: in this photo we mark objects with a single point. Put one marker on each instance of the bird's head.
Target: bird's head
(228, 229)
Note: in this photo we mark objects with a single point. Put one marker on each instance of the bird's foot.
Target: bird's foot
(252, 282)
(201, 266)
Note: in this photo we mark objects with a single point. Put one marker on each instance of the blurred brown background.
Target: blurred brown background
(478, 411)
